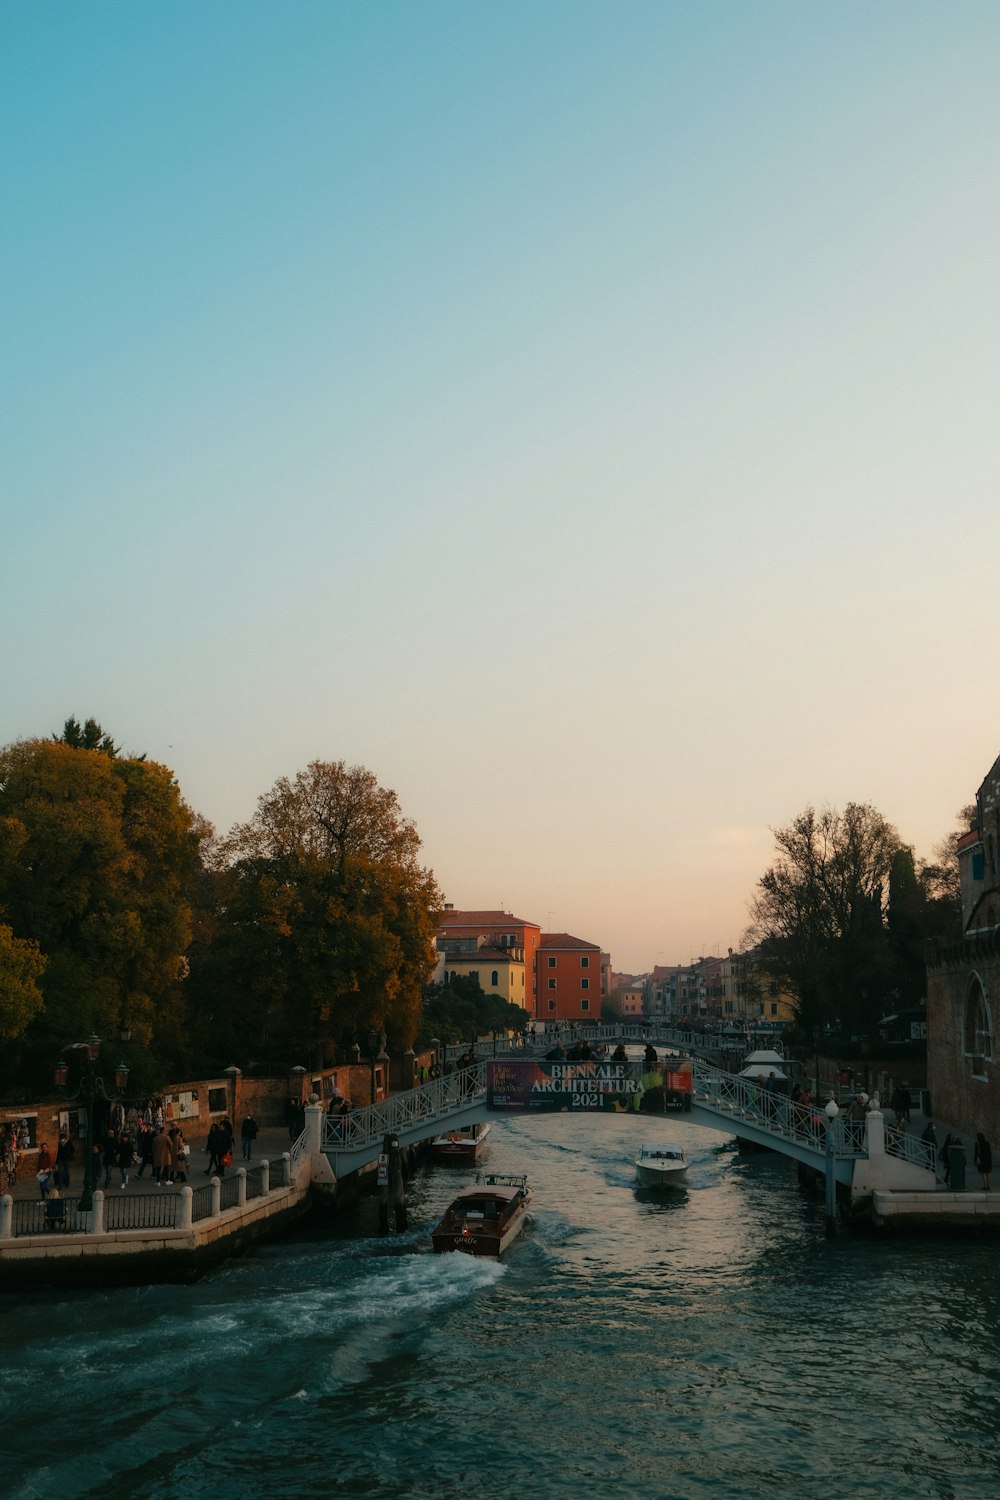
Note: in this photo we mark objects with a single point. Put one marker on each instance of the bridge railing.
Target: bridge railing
(911, 1148)
(774, 1112)
(421, 1106)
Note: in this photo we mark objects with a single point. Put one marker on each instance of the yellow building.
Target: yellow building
(499, 971)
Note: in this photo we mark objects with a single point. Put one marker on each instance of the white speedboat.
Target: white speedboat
(660, 1164)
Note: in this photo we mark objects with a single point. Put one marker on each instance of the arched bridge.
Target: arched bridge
(718, 1100)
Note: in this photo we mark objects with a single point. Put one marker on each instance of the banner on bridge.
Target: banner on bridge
(527, 1084)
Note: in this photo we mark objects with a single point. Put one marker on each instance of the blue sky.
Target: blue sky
(584, 416)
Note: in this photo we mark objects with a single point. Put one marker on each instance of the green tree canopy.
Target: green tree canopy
(88, 736)
(460, 1010)
(326, 921)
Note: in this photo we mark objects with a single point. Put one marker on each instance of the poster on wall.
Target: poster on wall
(524, 1084)
(181, 1106)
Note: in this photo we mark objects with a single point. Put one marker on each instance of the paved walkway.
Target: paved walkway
(271, 1143)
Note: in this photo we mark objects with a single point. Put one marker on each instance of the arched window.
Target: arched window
(978, 1027)
(495, 980)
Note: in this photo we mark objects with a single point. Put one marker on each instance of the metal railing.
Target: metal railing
(737, 1098)
(911, 1148)
(422, 1106)
(35, 1216)
(141, 1210)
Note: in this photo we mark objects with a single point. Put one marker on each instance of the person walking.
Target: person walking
(110, 1155)
(161, 1157)
(144, 1147)
(226, 1143)
(248, 1134)
(44, 1173)
(124, 1157)
(983, 1158)
(218, 1145)
(64, 1155)
(178, 1154)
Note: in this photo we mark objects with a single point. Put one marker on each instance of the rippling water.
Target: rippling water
(707, 1343)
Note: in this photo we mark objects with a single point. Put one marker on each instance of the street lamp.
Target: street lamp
(91, 1088)
(831, 1111)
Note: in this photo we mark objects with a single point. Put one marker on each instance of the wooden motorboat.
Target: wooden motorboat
(485, 1218)
(660, 1164)
(462, 1145)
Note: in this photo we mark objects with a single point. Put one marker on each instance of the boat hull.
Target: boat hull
(660, 1164)
(484, 1219)
(659, 1177)
(459, 1145)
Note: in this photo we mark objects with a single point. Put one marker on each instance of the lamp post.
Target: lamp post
(91, 1088)
(831, 1111)
(376, 1053)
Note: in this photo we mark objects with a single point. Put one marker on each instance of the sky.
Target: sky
(584, 416)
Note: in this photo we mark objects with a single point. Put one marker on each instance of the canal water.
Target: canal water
(707, 1343)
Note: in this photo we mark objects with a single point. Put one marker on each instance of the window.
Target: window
(584, 961)
(552, 962)
(552, 984)
(978, 1027)
(585, 984)
(584, 1004)
(977, 864)
(774, 1007)
(552, 1005)
(495, 980)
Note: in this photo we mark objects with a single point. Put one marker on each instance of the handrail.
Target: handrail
(774, 1113)
(420, 1106)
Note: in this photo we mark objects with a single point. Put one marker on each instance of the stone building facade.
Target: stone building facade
(963, 983)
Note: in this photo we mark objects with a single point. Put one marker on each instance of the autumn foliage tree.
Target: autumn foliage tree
(96, 853)
(21, 967)
(326, 922)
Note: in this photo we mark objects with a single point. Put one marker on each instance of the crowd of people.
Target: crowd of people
(129, 1147)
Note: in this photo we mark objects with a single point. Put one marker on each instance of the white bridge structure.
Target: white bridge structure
(863, 1156)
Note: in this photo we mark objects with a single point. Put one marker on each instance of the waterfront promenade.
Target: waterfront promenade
(271, 1143)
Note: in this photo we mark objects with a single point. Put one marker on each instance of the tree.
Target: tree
(818, 917)
(459, 1009)
(21, 966)
(907, 922)
(940, 880)
(96, 855)
(90, 737)
(327, 921)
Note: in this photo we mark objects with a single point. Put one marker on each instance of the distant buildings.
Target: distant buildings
(557, 977)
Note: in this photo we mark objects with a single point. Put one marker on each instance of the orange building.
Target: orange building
(569, 978)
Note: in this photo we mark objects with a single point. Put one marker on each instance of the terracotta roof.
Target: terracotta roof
(968, 839)
(488, 919)
(565, 940)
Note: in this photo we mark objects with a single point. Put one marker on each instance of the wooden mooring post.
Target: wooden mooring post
(390, 1186)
